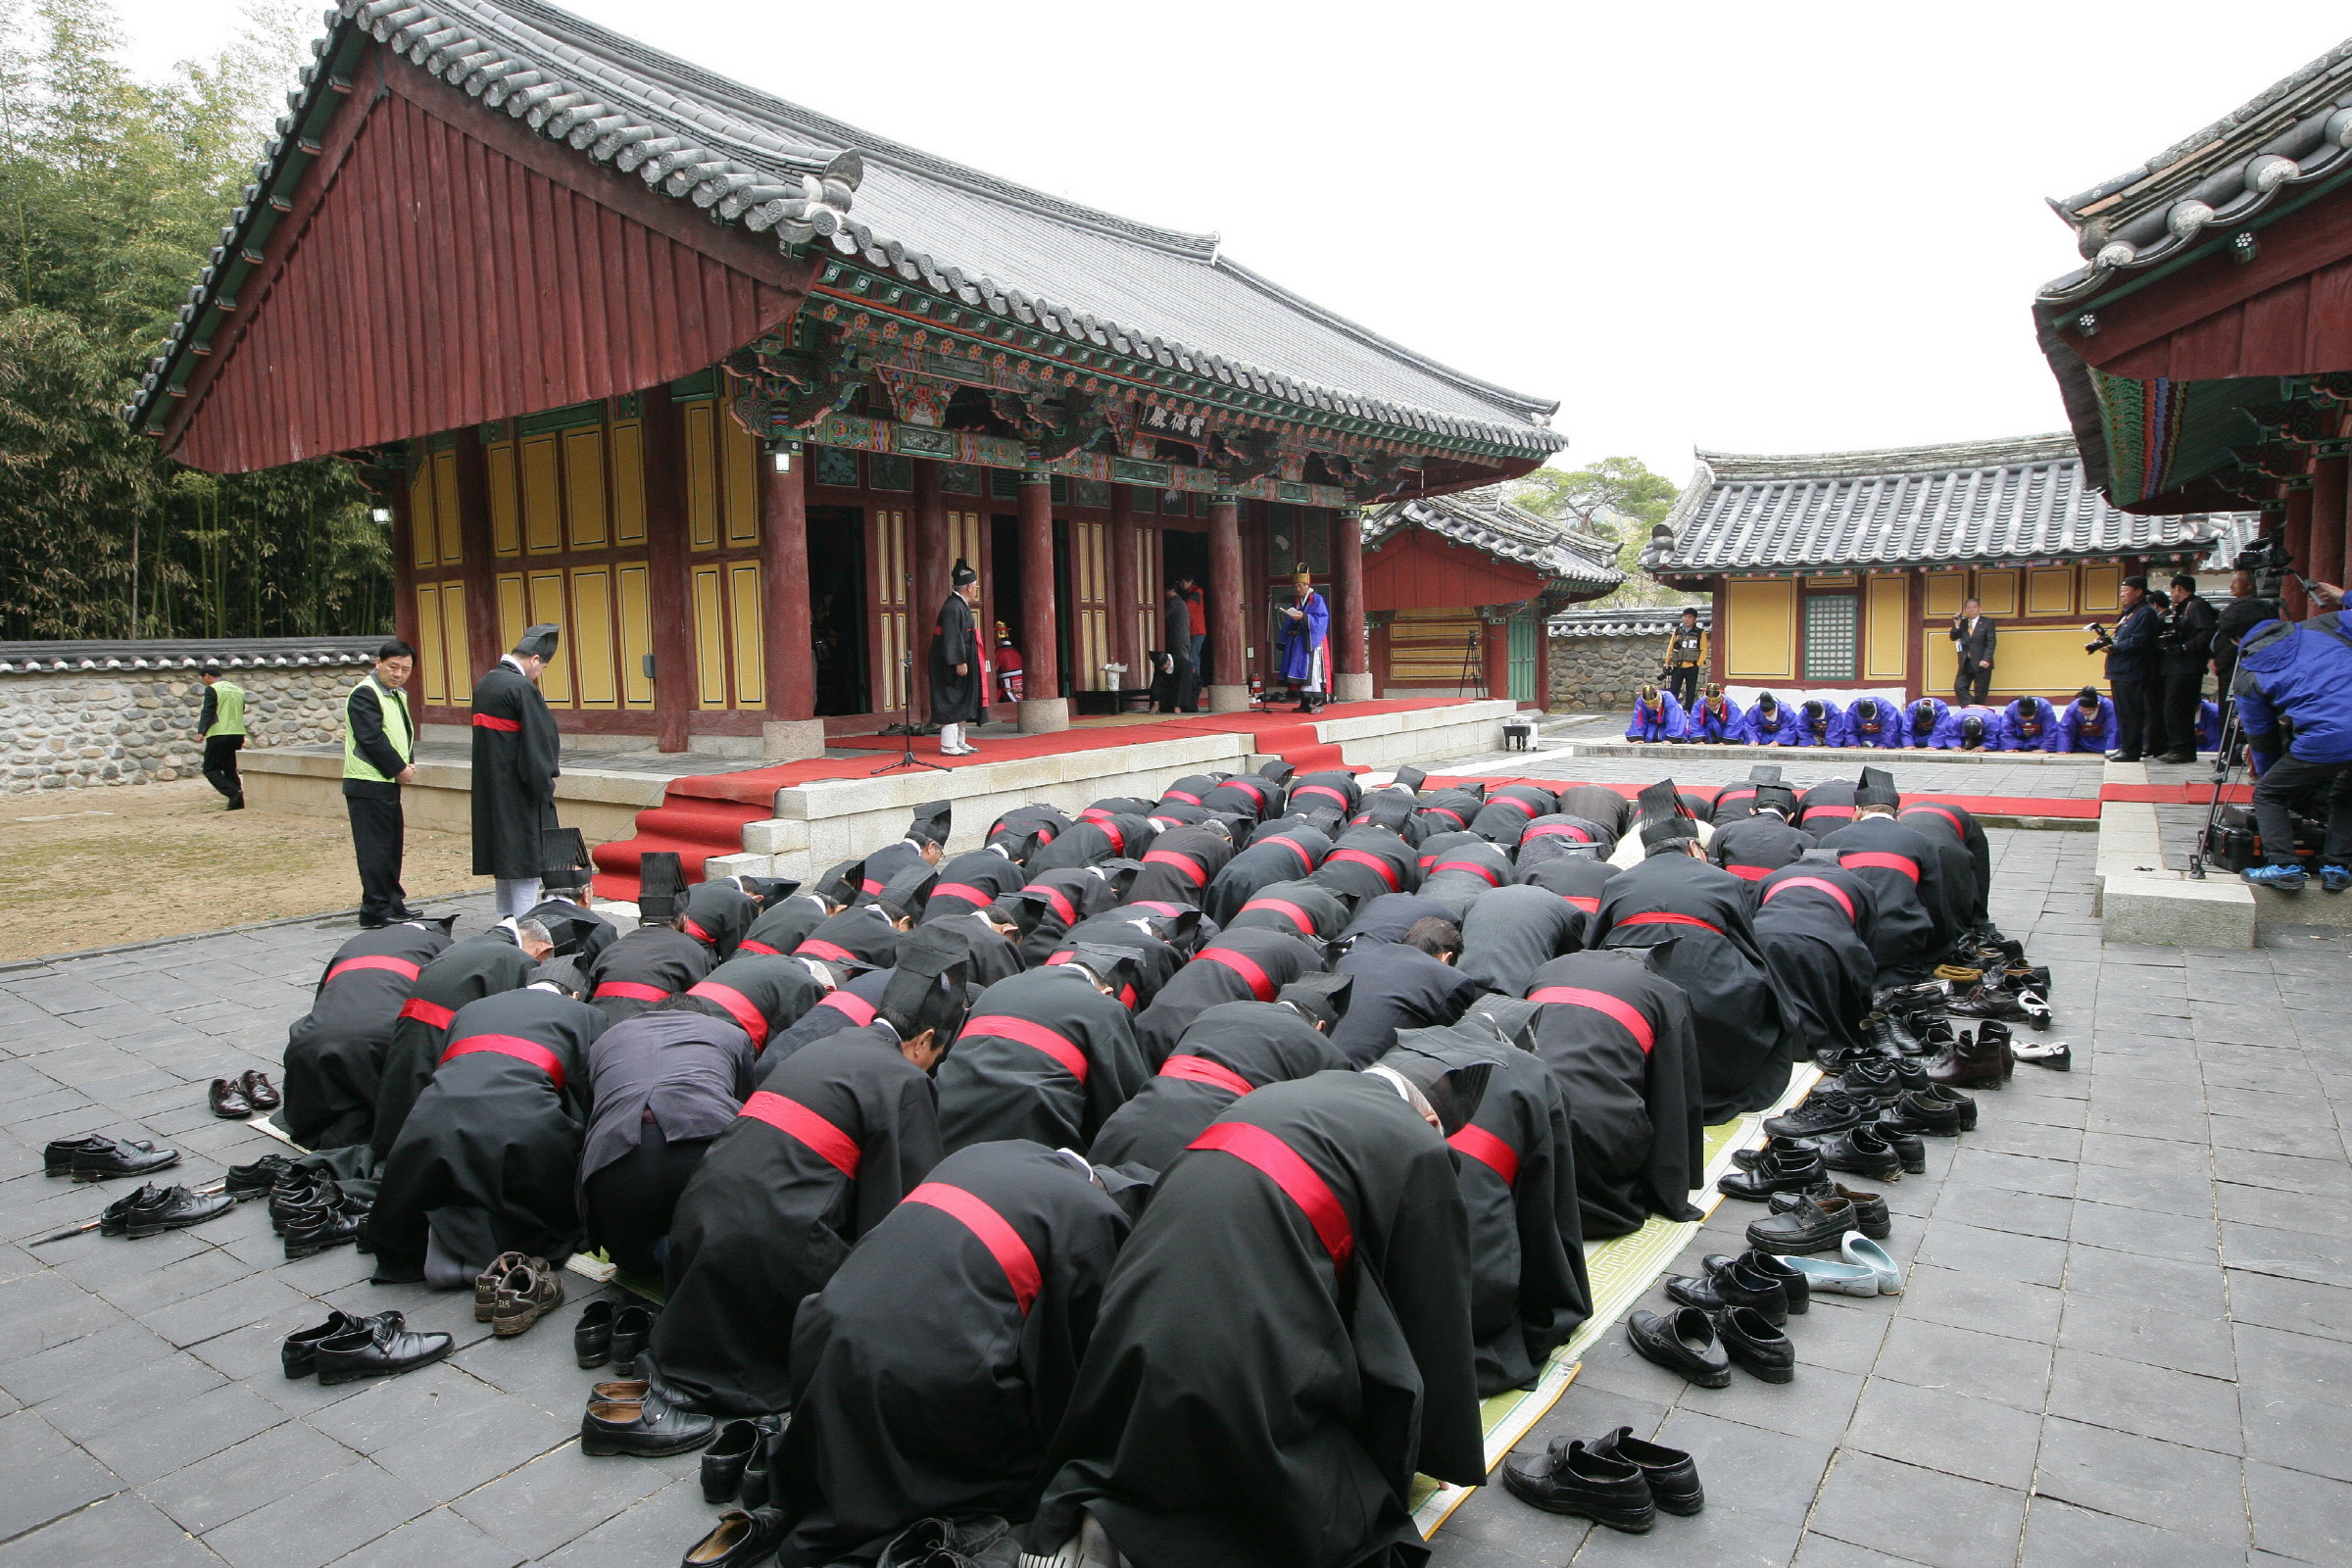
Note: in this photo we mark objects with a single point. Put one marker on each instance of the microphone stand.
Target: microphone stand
(907, 757)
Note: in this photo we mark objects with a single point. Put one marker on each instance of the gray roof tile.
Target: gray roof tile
(1485, 520)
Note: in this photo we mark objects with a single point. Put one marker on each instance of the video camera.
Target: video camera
(2100, 640)
(2269, 561)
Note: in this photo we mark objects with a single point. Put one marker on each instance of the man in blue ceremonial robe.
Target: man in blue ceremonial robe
(1306, 644)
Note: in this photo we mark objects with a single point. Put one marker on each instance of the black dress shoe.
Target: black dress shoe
(632, 1332)
(312, 1231)
(1873, 1083)
(1569, 1478)
(1945, 1094)
(1824, 1110)
(739, 1541)
(1814, 1225)
(173, 1208)
(1908, 1150)
(946, 1543)
(116, 1216)
(1871, 1216)
(1790, 1171)
(1861, 1151)
(724, 1460)
(592, 1337)
(1791, 1280)
(57, 1160)
(121, 1156)
(1672, 1476)
(1750, 1159)
(1726, 1284)
(301, 1194)
(382, 1347)
(761, 1471)
(648, 1428)
(1924, 1117)
(246, 1182)
(1755, 1343)
(298, 1351)
(1685, 1342)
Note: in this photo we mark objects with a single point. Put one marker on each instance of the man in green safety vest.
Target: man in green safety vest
(221, 724)
(379, 743)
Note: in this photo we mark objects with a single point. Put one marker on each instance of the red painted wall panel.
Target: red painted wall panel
(1421, 571)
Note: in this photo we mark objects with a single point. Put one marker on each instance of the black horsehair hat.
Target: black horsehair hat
(539, 642)
(1323, 997)
(1877, 788)
(1448, 1068)
(925, 989)
(661, 885)
(903, 899)
(842, 883)
(563, 857)
(931, 820)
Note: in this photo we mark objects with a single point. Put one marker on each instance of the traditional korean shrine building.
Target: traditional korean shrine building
(2205, 345)
(1457, 589)
(1844, 569)
(725, 387)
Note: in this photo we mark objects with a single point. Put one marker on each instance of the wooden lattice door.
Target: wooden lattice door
(888, 589)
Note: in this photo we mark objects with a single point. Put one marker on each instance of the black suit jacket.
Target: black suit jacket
(1974, 642)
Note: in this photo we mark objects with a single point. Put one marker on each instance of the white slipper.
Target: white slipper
(1825, 1277)
(1866, 1254)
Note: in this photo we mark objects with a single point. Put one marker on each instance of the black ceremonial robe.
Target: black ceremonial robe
(1366, 863)
(860, 935)
(1753, 846)
(1464, 874)
(1600, 802)
(1252, 963)
(1301, 909)
(1389, 916)
(971, 882)
(1827, 807)
(1579, 879)
(1733, 802)
(1044, 1057)
(1508, 811)
(828, 1143)
(336, 1053)
(1810, 920)
(578, 933)
(1618, 1039)
(1527, 1286)
(1557, 834)
(1396, 987)
(646, 965)
(929, 1373)
(1093, 840)
(1448, 811)
(1331, 790)
(1512, 932)
(1939, 818)
(718, 915)
(487, 1159)
(1156, 959)
(1179, 866)
(852, 1006)
(1251, 794)
(990, 956)
(1262, 1386)
(1914, 926)
(761, 993)
(886, 862)
(1284, 857)
(514, 769)
(481, 966)
(1060, 900)
(956, 699)
(1231, 1050)
(1745, 1042)
(1046, 821)
(785, 927)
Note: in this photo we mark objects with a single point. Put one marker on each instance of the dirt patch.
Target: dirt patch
(91, 868)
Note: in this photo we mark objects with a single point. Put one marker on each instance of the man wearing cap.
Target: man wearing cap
(1714, 721)
(1307, 643)
(567, 912)
(2029, 724)
(1970, 729)
(657, 959)
(514, 769)
(1874, 721)
(2185, 649)
(1007, 666)
(1046, 1056)
(1922, 720)
(1769, 722)
(787, 922)
(379, 744)
(959, 691)
(1813, 923)
(222, 725)
(1753, 846)
(1179, 691)
(1226, 1052)
(1657, 716)
(1327, 1213)
(1251, 963)
(925, 844)
(1914, 925)
(2132, 669)
(335, 1052)
(505, 957)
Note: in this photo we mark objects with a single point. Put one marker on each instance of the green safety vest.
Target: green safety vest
(228, 709)
(396, 733)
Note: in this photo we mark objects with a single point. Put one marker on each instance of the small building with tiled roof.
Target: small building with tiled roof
(1845, 569)
(1457, 588)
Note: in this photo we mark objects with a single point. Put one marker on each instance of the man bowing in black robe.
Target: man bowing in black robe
(1286, 854)
(514, 769)
(504, 957)
(1813, 923)
(1315, 915)
(1411, 983)
(1231, 1050)
(958, 695)
(1285, 1340)
(1252, 963)
(334, 1056)
(566, 909)
(657, 959)
(1753, 846)
(1046, 1056)
(1914, 925)
(1512, 932)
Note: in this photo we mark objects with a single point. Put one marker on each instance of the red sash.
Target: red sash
(1297, 916)
(1110, 831)
(1957, 826)
(701, 935)
(1262, 984)
(635, 991)
(1830, 888)
(1280, 1164)
(1061, 905)
(812, 948)
(1320, 789)
(1202, 1070)
(1883, 860)
(1484, 873)
(1661, 918)
(993, 1231)
(1306, 862)
(423, 1012)
(1179, 795)
(1183, 864)
(1588, 905)
(1811, 812)
(505, 726)
(531, 1051)
(1252, 790)
(1388, 872)
(1617, 1007)
(1751, 873)
(861, 1011)
(739, 1007)
(977, 897)
(747, 945)
(1553, 830)
(1440, 810)
(805, 1126)
(1036, 1036)
(398, 967)
(1488, 1150)
(871, 888)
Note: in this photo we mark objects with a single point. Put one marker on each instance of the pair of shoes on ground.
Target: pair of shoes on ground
(610, 1332)
(1862, 1269)
(516, 1292)
(742, 1538)
(2333, 878)
(377, 922)
(244, 1095)
(1817, 1221)
(1753, 1279)
(244, 1182)
(95, 1159)
(1619, 1481)
(309, 1209)
(740, 1461)
(639, 1416)
(345, 1349)
(1702, 1346)
(152, 1209)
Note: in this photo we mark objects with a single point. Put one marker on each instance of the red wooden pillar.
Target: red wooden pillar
(483, 640)
(1044, 709)
(2329, 523)
(668, 583)
(1226, 612)
(792, 730)
(1495, 656)
(1352, 682)
(1124, 598)
(933, 564)
(404, 567)
(1717, 625)
(2294, 601)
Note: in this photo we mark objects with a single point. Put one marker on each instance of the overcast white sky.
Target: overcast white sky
(1752, 228)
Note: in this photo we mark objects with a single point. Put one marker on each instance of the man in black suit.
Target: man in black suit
(2131, 668)
(1972, 642)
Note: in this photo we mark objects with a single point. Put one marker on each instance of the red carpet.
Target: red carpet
(702, 814)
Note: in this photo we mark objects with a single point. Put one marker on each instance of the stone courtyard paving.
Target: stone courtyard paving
(2127, 1338)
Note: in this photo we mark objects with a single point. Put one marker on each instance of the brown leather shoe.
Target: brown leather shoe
(228, 1101)
(261, 1091)
(485, 1283)
(1970, 1063)
(525, 1295)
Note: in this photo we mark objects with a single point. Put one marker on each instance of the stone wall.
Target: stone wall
(1599, 674)
(80, 729)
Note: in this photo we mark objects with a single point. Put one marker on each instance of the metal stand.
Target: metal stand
(2224, 764)
(907, 758)
(1472, 666)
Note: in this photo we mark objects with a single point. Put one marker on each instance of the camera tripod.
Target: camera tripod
(2224, 764)
(907, 757)
(1474, 669)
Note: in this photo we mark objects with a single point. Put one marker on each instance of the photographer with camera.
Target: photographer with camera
(1686, 660)
(1972, 638)
(2184, 647)
(2130, 650)
(2294, 700)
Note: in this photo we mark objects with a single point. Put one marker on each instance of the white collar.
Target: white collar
(1002, 849)
(1405, 1087)
(514, 664)
(819, 973)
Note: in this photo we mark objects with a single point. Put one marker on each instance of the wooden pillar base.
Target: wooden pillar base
(1228, 699)
(1351, 686)
(1043, 716)
(792, 740)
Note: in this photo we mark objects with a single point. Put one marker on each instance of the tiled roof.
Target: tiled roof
(1485, 520)
(2294, 133)
(764, 164)
(1648, 621)
(2019, 500)
(184, 653)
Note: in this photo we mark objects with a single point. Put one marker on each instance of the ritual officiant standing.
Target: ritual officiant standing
(515, 744)
(1306, 644)
(957, 689)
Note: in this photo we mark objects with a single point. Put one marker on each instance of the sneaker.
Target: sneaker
(2335, 878)
(2280, 878)
(525, 1296)
(485, 1285)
